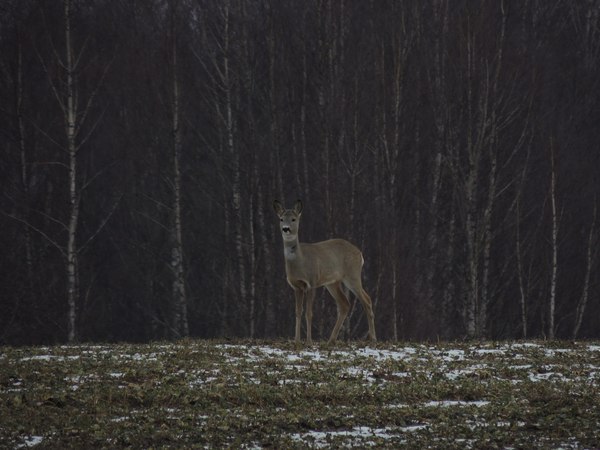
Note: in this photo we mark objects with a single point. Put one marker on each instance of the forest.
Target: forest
(455, 142)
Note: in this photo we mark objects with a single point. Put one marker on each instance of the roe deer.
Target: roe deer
(328, 263)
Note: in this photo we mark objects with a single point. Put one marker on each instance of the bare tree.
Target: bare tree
(421, 122)
(180, 325)
(75, 115)
(592, 249)
(483, 173)
(523, 293)
(554, 243)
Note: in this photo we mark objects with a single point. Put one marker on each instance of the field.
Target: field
(197, 394)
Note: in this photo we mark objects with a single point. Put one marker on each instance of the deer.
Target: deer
(330, 263)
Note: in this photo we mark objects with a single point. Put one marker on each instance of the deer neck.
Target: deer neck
(292, 250)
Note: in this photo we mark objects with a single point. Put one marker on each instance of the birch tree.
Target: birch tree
(180, 324)
(417, 129)
(220, 64)
(390, 154)
(554, 243)
(496, 126)
(591, 251)
(75, 115)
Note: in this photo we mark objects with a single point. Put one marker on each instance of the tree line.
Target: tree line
(143, 143)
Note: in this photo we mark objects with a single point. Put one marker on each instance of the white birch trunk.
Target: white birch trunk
(70, 119)
(270, 313)
(492, 183)
(23, 154)
(227, 269)
(472, 260)
(487, 244)
(448, 277)
(394, 302)
(586, 283)
(471, 189)
(181, 326)
(522, 297)
(305, 163)
(65, 92)
(235, 158)
(252, 296)
(555, 224)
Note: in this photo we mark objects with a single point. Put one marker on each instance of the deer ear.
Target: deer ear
(298, 207)
(278, 207)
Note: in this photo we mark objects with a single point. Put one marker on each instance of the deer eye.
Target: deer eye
(293, 220)
(281, 220)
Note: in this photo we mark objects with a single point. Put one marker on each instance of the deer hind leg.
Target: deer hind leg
(299, 295)
(368, 305)
(356, 287)
(343, 307)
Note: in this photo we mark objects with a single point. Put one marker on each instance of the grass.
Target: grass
(197, 394)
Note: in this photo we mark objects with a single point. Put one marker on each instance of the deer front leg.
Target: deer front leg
(310, 296)
(299, 295)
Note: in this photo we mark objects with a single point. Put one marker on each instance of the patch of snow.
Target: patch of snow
(452, 355)
(489, 351)
(521, 367)
(270, 351)
(397, 405)
(258, 352)
(286, 382)
(401, 374)
(252, 446)
(144, 356)
(525, 345)
(313, 355)
(382, 355)
(553, 351)
(360, 373)
(172, 413)
(504, 423)
(455, 374)
(17, 385)
(31, 441)
(50, 358)
(201, 381)
(450, 403)
(321, 439)
(535, 377)
(417, 427)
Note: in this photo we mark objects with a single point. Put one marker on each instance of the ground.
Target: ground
(208, 394)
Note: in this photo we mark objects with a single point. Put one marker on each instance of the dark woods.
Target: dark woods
(142, 144)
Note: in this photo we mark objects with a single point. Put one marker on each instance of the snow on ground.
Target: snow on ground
(360, 434)
(31, 441)
(453, 364)
(449, 362)
(280, 365)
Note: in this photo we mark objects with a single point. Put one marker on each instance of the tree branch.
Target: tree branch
(40, 232)
(102, 224)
